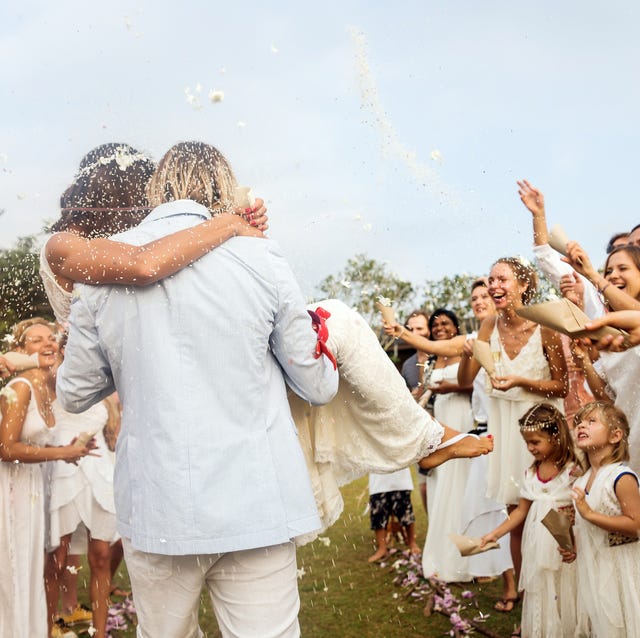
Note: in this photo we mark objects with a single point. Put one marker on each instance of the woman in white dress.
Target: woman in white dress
(446, 484)
(82, 501)
(26, 435)
(530, 366)
(613, 375)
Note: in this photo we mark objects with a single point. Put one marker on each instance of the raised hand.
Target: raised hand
(531, 197)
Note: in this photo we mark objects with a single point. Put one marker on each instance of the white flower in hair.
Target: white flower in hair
(9, 339)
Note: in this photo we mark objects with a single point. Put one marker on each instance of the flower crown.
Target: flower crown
(121, 156)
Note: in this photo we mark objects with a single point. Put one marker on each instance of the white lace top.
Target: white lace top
(59, 298)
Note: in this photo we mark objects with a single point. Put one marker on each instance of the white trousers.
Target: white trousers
(254, 592)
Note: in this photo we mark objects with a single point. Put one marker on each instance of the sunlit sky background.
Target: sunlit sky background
(392, 129)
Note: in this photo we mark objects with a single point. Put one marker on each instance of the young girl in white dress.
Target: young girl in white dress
(26, 436)
(549, 608)
(607, 549)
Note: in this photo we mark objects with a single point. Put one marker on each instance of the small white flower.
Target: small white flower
(241, 124)
(300, 573)
(72, 569)
(216, 96)
(436, 156)
(385, 301)
(400, 610)
(8, 339)
(92, 630)
(274, 49)
(325, 540)
(345, 283)
(21, 195)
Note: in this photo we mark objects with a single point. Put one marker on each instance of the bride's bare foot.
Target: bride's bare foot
(379, 555)
(465, 447)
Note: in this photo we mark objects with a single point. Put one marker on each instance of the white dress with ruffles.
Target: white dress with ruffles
(549, 607)
(608, 574)
(82, 493)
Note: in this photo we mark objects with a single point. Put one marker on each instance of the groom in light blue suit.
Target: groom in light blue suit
(210, 482)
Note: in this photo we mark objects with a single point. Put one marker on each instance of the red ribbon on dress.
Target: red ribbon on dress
(318, 321)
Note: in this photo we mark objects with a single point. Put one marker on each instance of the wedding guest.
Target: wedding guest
(27, 430)
(530, 365)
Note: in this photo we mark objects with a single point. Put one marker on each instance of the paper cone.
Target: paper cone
(558, 239)
(560, 527)
(565, 317)
(244, 197)
(469, 545)
(388, 313)
(483, 355)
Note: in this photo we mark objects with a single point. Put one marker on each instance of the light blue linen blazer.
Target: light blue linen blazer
(208, 458)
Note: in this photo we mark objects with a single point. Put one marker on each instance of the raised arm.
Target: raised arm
(616, 299)
(101, 261)
(445, 348)
(533, 199)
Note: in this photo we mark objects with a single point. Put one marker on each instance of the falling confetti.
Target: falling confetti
(345, 283)
(391, 143)
(274, 49)
(216, 96)
(436, 156)
(241, 124)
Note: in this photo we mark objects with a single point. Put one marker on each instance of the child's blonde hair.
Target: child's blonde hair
(615, 419)
(544, 417)
(196, 171)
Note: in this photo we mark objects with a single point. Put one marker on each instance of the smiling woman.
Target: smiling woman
(26, 434)
(530, 366)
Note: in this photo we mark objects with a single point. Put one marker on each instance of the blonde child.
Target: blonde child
(549, 608)
(608, 503)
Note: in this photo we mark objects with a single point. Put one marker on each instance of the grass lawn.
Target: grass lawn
(344, 596)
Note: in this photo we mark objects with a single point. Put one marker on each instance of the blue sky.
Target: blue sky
(397, 131)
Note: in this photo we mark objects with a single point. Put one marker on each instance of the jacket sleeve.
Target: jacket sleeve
(85, 376)
(293, 340)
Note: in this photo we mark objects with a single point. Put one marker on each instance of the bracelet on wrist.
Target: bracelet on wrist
(601, 290)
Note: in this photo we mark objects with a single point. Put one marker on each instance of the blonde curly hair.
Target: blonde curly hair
(196, 171)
